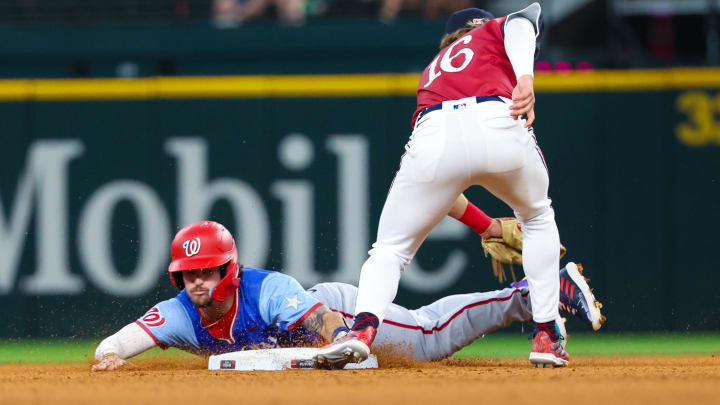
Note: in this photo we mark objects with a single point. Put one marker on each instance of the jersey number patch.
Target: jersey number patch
(447, 58)
(153, 318)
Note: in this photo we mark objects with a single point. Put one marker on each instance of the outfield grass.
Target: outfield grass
(496, 345)
(512, 345)
(64, 351)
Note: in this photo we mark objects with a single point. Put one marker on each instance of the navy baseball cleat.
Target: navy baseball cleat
(352, 348)
(577, 298)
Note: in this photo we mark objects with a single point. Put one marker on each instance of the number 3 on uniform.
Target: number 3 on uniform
(446, 61)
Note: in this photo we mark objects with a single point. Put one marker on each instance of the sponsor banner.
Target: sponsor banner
(93, 191)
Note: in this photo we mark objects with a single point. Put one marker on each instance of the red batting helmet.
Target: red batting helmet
(202, 245)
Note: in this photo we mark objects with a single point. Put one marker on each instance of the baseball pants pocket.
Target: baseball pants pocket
(506, 143)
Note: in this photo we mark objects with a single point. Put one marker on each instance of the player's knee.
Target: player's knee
(539, 212)
(388, 256)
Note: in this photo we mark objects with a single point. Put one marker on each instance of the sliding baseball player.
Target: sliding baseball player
(224, 307)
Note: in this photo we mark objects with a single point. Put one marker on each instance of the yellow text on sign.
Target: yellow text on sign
(702, 126)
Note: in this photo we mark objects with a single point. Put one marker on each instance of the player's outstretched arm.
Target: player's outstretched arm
(328, 324)
(127, 342)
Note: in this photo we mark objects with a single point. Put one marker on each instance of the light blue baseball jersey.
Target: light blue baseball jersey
(270, 308)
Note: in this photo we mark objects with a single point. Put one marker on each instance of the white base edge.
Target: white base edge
(276, 360)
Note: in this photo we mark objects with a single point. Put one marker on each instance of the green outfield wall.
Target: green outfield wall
(97, 175)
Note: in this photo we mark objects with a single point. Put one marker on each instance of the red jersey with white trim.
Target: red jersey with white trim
(474, 65)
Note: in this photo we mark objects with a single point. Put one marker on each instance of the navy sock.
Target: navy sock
(365, 319)
(550, 328)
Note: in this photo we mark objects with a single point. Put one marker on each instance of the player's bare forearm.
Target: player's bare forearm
(323, 322)
(473, 217)
(458, 207)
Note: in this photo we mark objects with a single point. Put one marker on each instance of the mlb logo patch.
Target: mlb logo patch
(460, 106)
(227, 364)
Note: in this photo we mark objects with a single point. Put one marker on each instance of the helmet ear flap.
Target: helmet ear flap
(223, 270)
(177, 279)
(233, 266)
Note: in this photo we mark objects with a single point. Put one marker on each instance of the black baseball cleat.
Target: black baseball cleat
(577, 298)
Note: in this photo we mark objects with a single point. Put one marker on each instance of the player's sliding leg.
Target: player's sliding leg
(458, 320)
(441, 328)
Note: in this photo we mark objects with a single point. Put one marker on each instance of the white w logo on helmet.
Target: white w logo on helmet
(192, 247)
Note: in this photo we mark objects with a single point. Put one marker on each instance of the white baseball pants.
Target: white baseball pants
(461, 145)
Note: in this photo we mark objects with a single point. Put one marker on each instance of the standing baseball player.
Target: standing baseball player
(223, 307)
(468, 130)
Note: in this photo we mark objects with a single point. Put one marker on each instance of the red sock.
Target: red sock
(475, 218)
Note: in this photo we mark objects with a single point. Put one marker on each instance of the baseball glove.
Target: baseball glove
(507, 249)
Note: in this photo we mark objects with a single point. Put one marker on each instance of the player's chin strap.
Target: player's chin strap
(227, 286)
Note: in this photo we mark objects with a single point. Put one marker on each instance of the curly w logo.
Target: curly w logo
(192, 247)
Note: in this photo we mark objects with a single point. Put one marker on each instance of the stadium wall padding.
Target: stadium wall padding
(98, 175)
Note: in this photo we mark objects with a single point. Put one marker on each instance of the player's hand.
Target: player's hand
(109, 362)
(523, 98)
(494, 230)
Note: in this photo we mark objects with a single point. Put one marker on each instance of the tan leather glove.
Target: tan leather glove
(507, 249)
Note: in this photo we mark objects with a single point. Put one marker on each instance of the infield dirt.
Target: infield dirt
(589, 380)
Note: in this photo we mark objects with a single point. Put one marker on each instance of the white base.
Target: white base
(276, 359)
